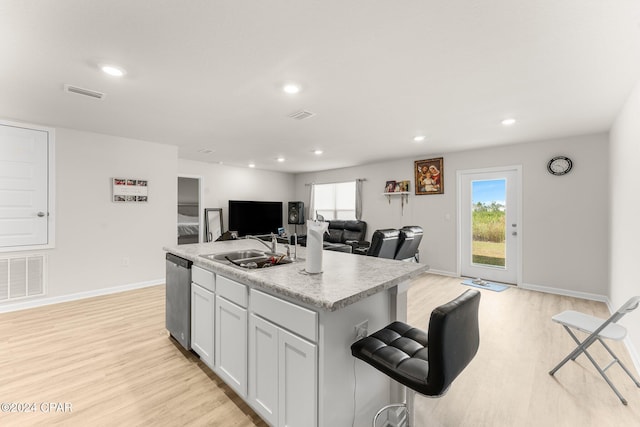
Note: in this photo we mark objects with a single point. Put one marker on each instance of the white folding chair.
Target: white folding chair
(597, 329)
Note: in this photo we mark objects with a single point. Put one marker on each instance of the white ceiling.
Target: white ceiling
(208, 74)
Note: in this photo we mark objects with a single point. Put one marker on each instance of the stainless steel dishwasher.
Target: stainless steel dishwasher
(178, 299)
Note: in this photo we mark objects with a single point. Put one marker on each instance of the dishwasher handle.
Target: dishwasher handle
(181, 262)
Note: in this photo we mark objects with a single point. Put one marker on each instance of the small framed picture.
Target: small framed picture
(429, 176)
(390, 187)
(130, 190)
(404, 186)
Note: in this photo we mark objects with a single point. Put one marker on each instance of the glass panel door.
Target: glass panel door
(488, 212)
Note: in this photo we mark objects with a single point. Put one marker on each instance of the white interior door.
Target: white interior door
(489, 223)
(23, 186)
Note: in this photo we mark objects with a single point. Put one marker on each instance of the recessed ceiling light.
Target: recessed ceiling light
(418, 138)
(291, 88)
(112, 70)
(252, 165)
(317, 152)
(508, 122)
(280, 159)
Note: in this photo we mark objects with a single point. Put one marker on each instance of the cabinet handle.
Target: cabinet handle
(40, 214)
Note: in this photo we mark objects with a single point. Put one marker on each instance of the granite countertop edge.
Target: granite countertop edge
(262, 280)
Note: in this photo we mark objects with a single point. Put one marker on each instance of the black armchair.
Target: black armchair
(409, 242)
(384, 243)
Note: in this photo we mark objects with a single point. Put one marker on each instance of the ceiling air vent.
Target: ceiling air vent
(86, 92)
(302, 114)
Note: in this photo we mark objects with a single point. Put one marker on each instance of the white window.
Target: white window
(335, 201)
(26, 187)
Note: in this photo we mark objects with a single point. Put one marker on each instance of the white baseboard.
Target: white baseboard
(566, 292)
(443, 273)
(23, 305)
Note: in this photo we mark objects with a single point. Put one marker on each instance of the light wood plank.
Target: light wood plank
(507, 383)
(111, 358)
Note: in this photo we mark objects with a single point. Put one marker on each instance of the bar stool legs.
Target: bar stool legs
(408, 406)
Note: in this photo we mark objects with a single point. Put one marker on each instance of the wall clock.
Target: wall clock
(559, 165)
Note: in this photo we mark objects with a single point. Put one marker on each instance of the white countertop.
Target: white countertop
(346, 278)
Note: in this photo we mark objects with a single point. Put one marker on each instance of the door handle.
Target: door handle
(41, 214)
(515, 233)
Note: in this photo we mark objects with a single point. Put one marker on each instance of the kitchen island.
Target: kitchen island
(281, 337)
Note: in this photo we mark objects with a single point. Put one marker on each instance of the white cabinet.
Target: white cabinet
(297, 381)
(203, 303)
(231, 344)
(283, 366)
(263, 368)
(202, 323)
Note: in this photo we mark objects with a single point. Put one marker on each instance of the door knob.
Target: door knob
(41, 214)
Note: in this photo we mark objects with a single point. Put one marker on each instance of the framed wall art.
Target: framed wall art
(390, 187)
(429, 176)
(130, 190)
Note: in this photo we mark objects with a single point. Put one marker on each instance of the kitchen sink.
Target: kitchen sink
(248, 259)
(235, 255)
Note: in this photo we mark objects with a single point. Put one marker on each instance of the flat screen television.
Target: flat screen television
(249, 217)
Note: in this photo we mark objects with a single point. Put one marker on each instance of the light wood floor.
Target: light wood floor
(110, 357)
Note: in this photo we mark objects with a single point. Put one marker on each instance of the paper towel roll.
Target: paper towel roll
(315, 232)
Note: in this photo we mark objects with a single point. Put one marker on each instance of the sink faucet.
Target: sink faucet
(274, 242)
(294, 243)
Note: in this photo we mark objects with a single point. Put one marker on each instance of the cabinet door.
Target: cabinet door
(231, 345)
(202, 318)
(297, 381)
(263, 368)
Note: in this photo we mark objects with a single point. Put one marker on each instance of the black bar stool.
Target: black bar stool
(423, 362)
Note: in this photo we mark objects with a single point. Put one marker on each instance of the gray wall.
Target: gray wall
(625, 211)
(565, 219)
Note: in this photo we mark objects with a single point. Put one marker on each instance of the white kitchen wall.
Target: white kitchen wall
(96, 237)
(565, 229)
(625, 211)
(221, 183)
(93, 233)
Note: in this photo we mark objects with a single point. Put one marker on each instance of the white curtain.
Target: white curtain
(311, 212)
(359, 199)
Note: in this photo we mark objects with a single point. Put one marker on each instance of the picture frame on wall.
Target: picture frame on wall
(390, 187)
(129, 190)
(429, 176)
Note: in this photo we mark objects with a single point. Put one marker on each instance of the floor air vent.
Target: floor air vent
(301, 115)
(21, 277)
(86, 92)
